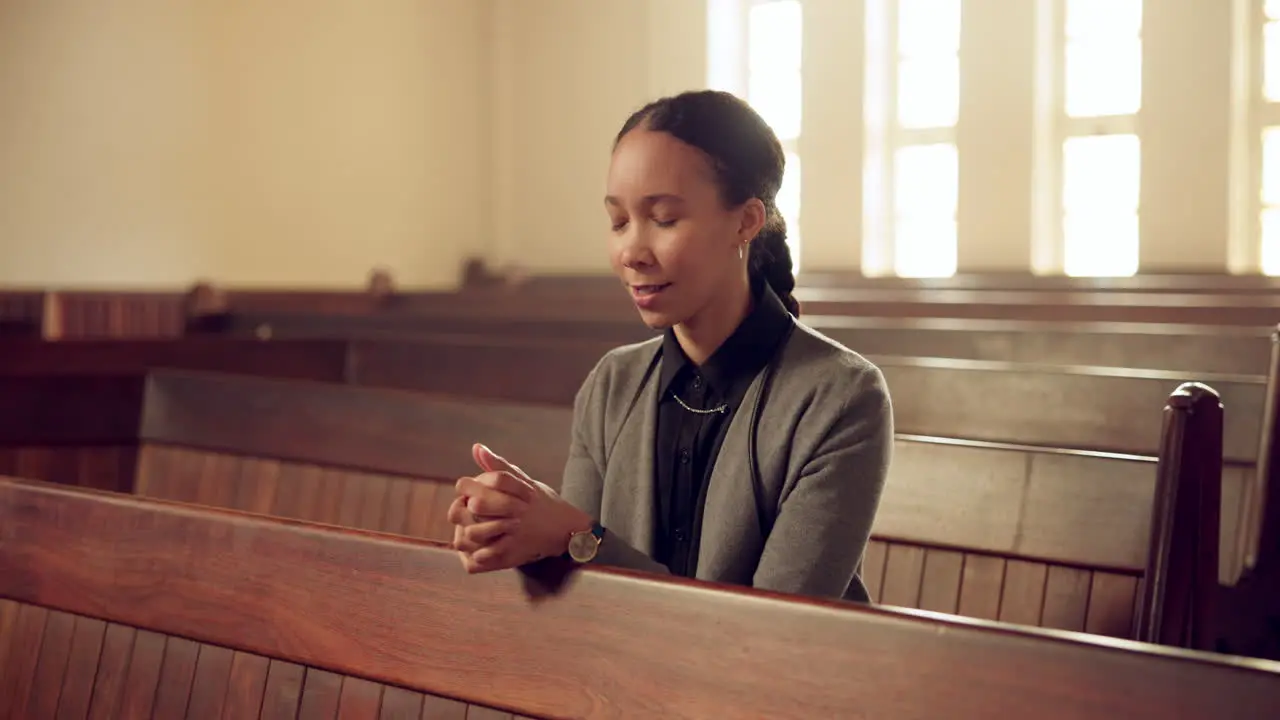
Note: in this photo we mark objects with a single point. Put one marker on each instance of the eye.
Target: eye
(618, 225)
(664, 223)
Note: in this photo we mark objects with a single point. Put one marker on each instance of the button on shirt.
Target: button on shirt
(687, 441)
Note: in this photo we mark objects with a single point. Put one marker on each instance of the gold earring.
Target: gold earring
(739, 252)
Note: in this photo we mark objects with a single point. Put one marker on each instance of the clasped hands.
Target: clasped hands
(503, 518)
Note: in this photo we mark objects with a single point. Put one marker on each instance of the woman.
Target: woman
(739, 447)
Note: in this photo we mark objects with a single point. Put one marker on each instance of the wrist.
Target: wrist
(583, 542)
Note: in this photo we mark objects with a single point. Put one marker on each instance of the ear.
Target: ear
(753, 219)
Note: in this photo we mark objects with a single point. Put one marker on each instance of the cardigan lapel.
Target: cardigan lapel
(729, 517)
(627, 506)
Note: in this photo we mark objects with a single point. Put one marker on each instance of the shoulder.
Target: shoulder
(620, 368)
(832, 371)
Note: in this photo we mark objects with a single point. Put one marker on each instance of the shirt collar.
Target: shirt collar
(743, 354)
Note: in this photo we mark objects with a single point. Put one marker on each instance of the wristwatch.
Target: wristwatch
(584, 544)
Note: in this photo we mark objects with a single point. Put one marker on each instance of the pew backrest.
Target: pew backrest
(339, 618)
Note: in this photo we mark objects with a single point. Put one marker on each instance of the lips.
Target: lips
(646, 295)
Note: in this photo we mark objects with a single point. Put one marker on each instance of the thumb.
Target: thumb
(489, 461)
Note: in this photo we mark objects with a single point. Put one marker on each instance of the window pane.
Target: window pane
(776, 96)
(929, 92)
(926, 181)
(1103, 78)
(1271, 61)
(789, 194)
(1271, 242)
(1271, 166)
(928, 27)
(925, 246)
(774, 36)
(1099, 19)
(1272, 9)
(1101, 174)
(1100, 244)
(788, 202)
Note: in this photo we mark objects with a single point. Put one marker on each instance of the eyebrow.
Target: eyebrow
(650, 199)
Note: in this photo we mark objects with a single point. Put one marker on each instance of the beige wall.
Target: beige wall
(566, 74)
(153, 142)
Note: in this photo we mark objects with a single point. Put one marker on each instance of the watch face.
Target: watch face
(582, 546)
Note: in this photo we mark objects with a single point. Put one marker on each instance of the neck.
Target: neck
(706, 331)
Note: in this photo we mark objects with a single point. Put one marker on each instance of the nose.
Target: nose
(633, 247)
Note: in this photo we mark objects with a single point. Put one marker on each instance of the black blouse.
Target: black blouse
(687, 441)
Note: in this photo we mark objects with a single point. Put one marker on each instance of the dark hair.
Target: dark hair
(748, 162)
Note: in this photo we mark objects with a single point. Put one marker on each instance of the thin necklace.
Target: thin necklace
(711, 411)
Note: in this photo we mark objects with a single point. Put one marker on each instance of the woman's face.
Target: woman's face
(674, 244)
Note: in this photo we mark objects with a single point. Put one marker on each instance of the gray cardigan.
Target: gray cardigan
(824, 440)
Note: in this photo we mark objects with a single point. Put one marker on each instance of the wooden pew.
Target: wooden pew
(1034, 536)
(1199, 348)
(1014, 421)
(477, 276)
(245, 616)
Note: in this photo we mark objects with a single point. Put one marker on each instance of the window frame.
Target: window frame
(886, 136)
(733, 18)
(1263, 115)
(1050, 155)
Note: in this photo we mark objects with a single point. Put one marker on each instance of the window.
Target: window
(754, 50)
(913, 104)
(774, 41)
(1101, 163)
(1269, 193)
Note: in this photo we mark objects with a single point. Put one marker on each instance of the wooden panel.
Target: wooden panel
(51, 667)
(1093, 408)
(113, 667)
(1111, 598)
(246, 686)
(82, 667)
(904, 565)
(940, 581)
(800, 659)
(364, 429)
(1066, 598)
(120, 314)
(210, 685)
(195, 680)
(981, 585)
(300, 491)
(1022, 596)
(102, 468)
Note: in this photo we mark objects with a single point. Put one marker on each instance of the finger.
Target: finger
(494, 504)
(486, 533)
(458, 513)
(489, 461)
(468, 539)
(498, 555)
(503, 482)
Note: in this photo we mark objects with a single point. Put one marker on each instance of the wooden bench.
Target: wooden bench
(1199, 348)
(249, 617)
(1028, 535)
(1014, 421)
(1220, 309)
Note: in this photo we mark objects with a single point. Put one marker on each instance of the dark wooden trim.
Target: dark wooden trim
(405, 613)
(77, 410)
(323, 360)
